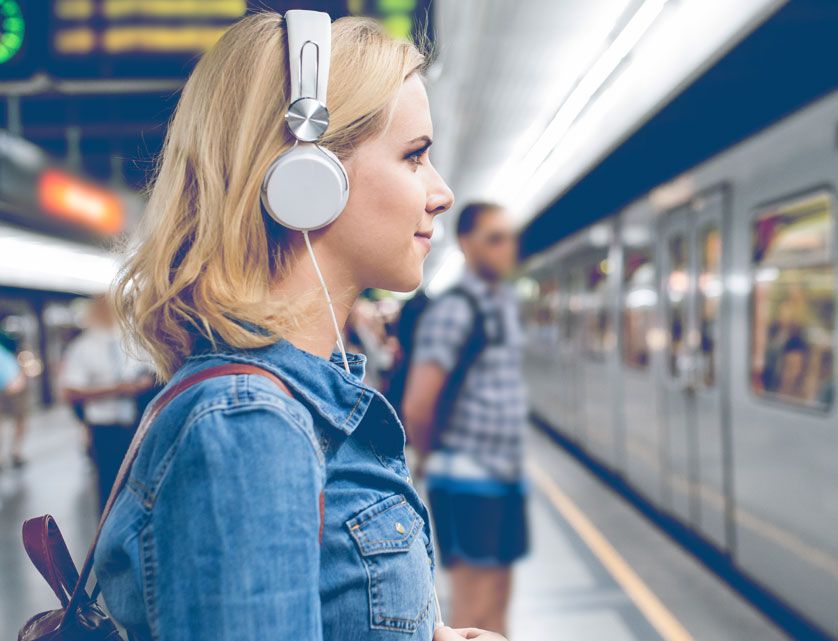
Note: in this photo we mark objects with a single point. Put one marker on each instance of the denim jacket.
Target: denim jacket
(215, 535)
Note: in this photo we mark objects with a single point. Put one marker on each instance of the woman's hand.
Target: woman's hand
(444, 633)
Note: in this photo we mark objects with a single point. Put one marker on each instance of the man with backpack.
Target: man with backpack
(465, 411)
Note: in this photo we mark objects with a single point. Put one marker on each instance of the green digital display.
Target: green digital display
(12, 27)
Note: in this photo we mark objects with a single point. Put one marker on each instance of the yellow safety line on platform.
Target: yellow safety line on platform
(655, 612)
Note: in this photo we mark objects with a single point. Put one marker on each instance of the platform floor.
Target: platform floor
(597, 571)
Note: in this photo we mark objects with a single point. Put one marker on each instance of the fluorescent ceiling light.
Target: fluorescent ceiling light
(652, 58)
(37, 261)
(581, 95)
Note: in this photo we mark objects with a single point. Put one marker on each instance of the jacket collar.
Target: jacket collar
(323, 385)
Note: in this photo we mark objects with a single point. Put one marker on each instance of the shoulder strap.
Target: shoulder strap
(476, 341)
(477, 337)
(46, 547)
(148, 418)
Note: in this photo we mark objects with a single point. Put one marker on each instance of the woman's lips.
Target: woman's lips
(424, 241)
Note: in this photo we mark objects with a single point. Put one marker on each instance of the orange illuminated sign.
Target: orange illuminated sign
(65, 196)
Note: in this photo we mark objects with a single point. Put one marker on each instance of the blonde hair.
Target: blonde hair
(204, 256)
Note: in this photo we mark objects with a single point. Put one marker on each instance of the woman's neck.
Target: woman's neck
(316, 333)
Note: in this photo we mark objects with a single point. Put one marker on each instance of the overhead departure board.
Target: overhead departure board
(163, 38)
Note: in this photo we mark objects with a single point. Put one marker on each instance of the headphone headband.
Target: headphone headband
(309, 53)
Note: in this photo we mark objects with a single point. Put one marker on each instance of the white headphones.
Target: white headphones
(306, 187)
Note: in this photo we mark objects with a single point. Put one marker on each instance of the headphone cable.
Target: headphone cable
(328, 300)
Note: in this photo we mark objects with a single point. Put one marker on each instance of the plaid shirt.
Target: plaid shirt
(490, 413)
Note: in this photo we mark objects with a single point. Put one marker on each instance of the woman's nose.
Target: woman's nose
(441, 198)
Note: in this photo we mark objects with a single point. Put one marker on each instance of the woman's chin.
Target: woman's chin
(404, 281)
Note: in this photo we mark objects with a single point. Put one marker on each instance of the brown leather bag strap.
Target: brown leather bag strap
(146, 422)
(46, 547)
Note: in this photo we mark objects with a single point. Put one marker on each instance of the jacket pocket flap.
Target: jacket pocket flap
(387, 526)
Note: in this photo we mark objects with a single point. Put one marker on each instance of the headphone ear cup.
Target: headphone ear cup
(305, 188)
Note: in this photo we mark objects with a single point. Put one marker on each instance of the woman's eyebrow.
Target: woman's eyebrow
(427, 140)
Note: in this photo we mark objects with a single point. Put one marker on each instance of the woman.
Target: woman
(218, 532)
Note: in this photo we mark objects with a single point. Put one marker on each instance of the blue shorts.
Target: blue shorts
(479, 522)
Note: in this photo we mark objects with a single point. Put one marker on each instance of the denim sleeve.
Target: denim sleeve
(231, 550)
(442, 331)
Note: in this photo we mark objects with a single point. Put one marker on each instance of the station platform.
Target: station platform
(597, 570)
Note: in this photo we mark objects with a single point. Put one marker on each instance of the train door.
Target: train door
(597, 348)
(678, 415)
(572, 363)
(710, 369)
(564, 359)
(693, 409)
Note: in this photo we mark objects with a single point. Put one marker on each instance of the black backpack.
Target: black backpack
(405, 331)
(471, 349)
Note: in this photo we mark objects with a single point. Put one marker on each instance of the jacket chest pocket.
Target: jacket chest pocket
(390, 539)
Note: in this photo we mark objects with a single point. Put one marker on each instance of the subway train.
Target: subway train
(686, 345)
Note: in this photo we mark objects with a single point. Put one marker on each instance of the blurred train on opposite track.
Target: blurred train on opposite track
(686, 345)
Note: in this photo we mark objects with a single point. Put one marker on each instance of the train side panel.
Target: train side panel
(701, 366)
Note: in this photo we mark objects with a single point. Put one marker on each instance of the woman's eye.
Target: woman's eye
(416, 156)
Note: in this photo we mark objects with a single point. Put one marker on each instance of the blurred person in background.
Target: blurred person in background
(13, 403)
(367, 334)
(106, 382)
(465, 410)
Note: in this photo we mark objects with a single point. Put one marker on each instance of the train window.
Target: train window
(573, 308)
(639, 300)
(709, 299)
(792, 302)
(596, 312)
(547, 315)
(528, 292)
(676, 291)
